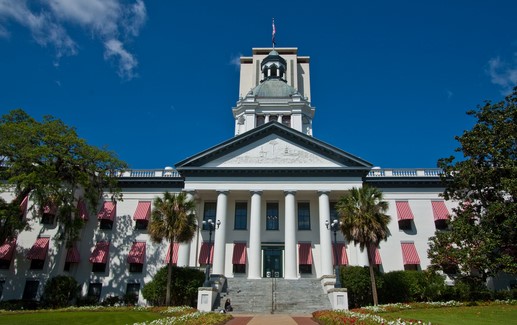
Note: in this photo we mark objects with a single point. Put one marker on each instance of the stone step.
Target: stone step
(276, 296)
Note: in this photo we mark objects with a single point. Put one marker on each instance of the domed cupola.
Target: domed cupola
(273, 67)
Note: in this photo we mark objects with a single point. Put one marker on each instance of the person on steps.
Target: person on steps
(228, 305)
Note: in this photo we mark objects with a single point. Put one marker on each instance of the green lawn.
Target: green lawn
(494, 314)
(79, 317)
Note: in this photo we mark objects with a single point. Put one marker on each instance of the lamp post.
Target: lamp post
(334, 226)
(210, 224)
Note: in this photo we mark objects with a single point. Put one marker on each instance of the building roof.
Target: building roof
(273, 88)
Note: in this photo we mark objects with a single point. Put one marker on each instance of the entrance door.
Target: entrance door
(273, 262)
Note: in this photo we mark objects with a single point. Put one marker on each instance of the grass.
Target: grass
(79, 317)
(113, 315)
(494, 314)
(449, 313)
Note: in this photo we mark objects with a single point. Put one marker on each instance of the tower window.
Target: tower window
(260, 120)
(286, 120)
(273, 118)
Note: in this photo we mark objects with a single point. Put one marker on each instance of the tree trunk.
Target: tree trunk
(169, 275)
(371, 261)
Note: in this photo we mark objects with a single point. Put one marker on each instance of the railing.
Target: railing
(375, 172)
(405, 172)
(144, 173)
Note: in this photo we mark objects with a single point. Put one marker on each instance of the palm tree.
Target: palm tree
(363, 217)
(172, 219)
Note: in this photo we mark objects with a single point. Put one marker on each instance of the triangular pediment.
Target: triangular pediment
(273, 151)
(273, 148)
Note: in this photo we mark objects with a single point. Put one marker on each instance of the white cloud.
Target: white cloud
(503, 73)
(236, 61)
(113, 22)
(127, 62)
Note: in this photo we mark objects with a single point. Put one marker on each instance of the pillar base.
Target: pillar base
(338, 298)
(205, 298)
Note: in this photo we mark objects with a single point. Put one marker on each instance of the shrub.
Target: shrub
(184, 286)
(356, 280)
(19, 304)
(410, 286)
(59, 292)
(130, 299)
(111, 301)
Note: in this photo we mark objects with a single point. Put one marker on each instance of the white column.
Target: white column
(184, 249)
(291, 267)
(220, 233)
(362, 256)
(325, 237)
(254, 242)
(266, 119)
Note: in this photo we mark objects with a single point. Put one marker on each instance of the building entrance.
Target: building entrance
(273, 261)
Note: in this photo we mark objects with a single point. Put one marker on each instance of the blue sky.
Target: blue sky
(391, 81)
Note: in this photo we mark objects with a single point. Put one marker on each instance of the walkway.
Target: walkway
(271, 320)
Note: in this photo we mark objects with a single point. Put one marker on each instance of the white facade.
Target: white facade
(272, 187)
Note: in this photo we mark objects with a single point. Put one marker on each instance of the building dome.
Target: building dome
(273, 88)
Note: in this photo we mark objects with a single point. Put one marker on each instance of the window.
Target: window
(411, 267)
(136, 267)
(30, 291)
(2, 283)
(5, 264)
(99, 267)
(241, 215)
(133, 289)
(37, 264)
(405, 224)
(333, 212)
(272, 216)
(48, 218)
(441, 224)
(67, 266)
(141, 224)
(94, 290)
(273, 118)
(209, 213)
(304, 216)
(286, 120)
(260, 120)
(305, 268)
(106, 224)
(239, 268)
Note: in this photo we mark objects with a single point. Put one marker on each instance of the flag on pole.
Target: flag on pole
(274, 32)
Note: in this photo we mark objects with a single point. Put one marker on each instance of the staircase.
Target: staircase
(275, 296)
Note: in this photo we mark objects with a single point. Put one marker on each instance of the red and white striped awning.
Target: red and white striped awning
(342, 258)
(39, 250)
(206, 251)
(239, 253)
(175, 249)
(83, 211)
(376, 255)
(404, 211)
(108, 211)
(100, 253)
(409, 254)
(7, 249)
(137, 253)
(143, 210)
(23, 205)
(440, 211)
(72, 255)
(305, 253)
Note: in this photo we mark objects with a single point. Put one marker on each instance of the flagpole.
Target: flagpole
(273, 34)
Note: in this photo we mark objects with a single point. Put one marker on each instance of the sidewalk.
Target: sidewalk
(270, 320)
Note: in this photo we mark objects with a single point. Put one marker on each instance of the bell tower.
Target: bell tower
(274, 86)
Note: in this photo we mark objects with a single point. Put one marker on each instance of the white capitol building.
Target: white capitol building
(270, 190)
